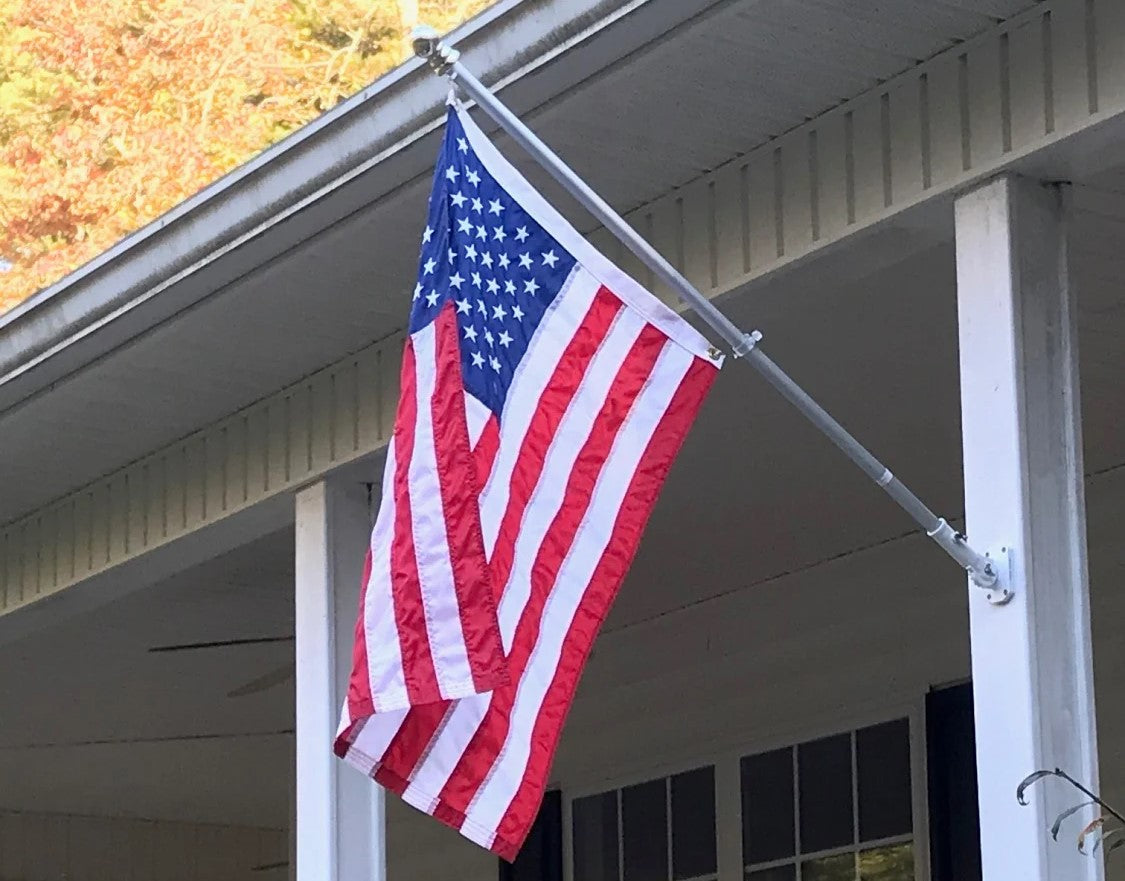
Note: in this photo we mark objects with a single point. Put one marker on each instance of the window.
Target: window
(835, 809)
(662, 830)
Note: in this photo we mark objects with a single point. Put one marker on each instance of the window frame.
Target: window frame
(726, 760)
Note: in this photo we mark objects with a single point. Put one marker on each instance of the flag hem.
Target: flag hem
(430, 804)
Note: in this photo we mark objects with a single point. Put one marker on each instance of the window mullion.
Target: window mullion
(620, 837)
(855, 802)
(568, 839)
(728, 820)
(796, 810)
(668, 821)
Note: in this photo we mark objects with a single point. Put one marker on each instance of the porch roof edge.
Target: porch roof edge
(364, 130)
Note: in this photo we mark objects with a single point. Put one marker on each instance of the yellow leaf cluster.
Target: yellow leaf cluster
(113, 111)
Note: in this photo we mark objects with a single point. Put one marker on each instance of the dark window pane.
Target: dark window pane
(883, 760)
(824, 768)
(595, 837)
(693, 824)
(894, 863)
(838, 868)
(644, 815)
(541, 857)
(777, 873)
(767, 807)
(951, 771)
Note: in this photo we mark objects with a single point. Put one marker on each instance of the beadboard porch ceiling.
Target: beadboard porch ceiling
(665, 93)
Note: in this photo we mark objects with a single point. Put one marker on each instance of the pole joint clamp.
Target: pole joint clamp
(989, 572)
(746, 345)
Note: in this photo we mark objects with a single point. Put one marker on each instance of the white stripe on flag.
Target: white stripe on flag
(535, 370)
(569, 439)
(384, 655)
(431, 545)
(545, 349)
(374, 739)
(548, 496)
(477, 416)
(492, 801)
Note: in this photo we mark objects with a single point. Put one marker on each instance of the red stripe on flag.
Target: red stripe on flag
(553, 403)
(485, 745)
(421, 723)
(359, 685)
(406, 588)
(610, 572)
(460, 488)
(410, 744)
(484, 454)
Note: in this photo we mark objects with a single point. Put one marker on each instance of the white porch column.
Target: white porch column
(1031, 659)
(340, 819)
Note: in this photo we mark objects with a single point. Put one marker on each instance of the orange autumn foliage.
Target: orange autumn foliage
(113, 111)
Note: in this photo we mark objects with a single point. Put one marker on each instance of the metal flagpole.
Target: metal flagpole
(444, 60)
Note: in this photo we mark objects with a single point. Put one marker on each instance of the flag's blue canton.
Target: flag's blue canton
(499, 267)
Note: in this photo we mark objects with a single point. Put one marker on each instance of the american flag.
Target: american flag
(544, 397)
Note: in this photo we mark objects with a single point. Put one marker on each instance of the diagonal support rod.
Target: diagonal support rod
(444, 60)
